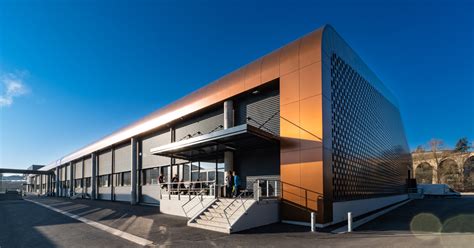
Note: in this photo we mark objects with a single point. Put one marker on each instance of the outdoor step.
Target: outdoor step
(211, 228)
(228, 211)
(212, 223)
(217, 220)
(210, 216)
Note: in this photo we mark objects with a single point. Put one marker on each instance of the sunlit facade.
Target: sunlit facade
(310, 116)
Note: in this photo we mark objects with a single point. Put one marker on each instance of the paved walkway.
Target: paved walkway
(27, 225)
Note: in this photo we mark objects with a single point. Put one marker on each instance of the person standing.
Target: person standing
(229, 184)
(236, 183)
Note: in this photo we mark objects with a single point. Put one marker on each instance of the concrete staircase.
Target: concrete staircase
(214, 217)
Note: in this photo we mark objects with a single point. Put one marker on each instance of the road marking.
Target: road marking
(113, 231)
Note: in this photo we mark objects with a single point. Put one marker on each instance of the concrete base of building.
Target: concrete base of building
(360, 207)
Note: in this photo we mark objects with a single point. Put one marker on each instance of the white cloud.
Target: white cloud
(12, 85)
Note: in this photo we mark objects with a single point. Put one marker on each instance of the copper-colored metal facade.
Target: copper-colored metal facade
(303, 68)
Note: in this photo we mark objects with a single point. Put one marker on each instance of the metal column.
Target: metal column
(134, 181)
(57, 181)
(71, 178)
(94, 176)
(228, 123)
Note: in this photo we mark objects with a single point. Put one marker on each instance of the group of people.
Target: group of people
(232, 184)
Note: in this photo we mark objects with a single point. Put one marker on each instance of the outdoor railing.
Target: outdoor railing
(303, 199)
(188, 188)
(242, 205)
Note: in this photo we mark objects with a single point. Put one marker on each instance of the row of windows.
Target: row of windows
(123, 179)
(195, 171)
(191, 171)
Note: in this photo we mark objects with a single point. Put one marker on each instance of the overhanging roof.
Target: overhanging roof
(233, 138)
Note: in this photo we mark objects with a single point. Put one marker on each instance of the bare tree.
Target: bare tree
(439, 153)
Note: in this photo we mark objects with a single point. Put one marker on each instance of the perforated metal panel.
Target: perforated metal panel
(369, 151)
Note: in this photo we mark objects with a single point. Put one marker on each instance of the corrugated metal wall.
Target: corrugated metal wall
(123, 158)
(203, 124)
(262, 109)
(152, 141)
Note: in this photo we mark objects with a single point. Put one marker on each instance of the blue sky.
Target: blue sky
(73, 72)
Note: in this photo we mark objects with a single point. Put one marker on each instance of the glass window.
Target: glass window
(211, 175)
(165, 173)
(186, 173)
(174, 170)
(127, 178)
(150, 176)
(207, 165)
(154, 175)
(195, 176)
(88, 182)
(104, 181)
(78, 183)
(195, 171)
(145, 177)
(117, 178)
(203, 176)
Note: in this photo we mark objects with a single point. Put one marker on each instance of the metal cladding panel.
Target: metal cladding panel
(78, 169)
(123, 158)
(369, 151)
(105, 163)
(362, 158)
(88, 167)
(202, 124)
(155, 140)
(301, 153)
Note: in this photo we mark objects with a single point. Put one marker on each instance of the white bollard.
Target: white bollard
(313, 221)
(349, 222)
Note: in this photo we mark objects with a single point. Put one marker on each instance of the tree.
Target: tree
(439, 155)
(462, 145)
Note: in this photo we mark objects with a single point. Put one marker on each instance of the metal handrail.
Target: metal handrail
(202, 191)
(305, 197)
(239, 197)
(192, 198)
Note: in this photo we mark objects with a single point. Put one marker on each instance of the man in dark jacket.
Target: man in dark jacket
(229, 184)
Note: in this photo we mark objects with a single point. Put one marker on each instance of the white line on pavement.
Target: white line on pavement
(116, 232)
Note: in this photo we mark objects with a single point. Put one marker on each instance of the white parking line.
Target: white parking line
(116, 232)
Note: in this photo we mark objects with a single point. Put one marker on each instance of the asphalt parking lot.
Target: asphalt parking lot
(420, 223)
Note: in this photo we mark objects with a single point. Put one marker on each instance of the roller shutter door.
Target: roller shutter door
(105, 163)
(123, 158)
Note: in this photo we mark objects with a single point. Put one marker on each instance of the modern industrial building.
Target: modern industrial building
(308, 128)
